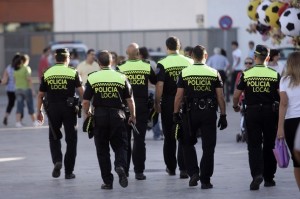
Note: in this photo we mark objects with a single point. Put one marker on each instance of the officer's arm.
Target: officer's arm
(221, 100)
(236, 96)
(158, 91)
(178, 99)
(80, 91)
(39, 100)
(86, 105)
(152, 76)
(131, 106)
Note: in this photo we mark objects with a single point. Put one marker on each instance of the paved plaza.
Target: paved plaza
(25, 169)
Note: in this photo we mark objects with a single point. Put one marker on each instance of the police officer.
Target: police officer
(200, 88)
(260, 85)
(167, 72)
(109, 89)
(59, 83)
(139, 73)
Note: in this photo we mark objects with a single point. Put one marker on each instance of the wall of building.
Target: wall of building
(26, 11)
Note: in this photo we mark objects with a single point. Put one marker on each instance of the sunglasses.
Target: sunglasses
(250, 63)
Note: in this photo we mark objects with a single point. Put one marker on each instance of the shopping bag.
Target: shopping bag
(281, 153)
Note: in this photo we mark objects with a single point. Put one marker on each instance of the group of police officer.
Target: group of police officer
(188, 96)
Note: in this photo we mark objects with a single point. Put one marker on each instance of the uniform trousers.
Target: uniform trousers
(170, 145)
(206, 121)
(110, 130)
(61, 114)
(261, 129)
(138, 150)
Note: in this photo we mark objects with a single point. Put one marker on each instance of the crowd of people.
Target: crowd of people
(189, 91)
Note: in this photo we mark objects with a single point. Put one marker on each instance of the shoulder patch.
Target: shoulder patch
(123, 62)
(92, 72)
(146, 61)
(271, 68)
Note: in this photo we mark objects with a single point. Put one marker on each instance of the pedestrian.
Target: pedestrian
(59, 83)
(188, 51)
(44, 62)
(109, 89)
(219, 62)
(237, 65)
(157, 132)
(24, 90)
(273, 61)
(260, 84)
(251, 49)
(289, 109)
(138, 72)
(200, 89)
(9, 80)
(167, 72)
(114, 60)
(87, 66)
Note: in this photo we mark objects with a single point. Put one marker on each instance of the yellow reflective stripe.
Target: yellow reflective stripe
(60, 71)
(135, 67)
(260, 72)
(106, 77)
(175, 60)
(199, 70)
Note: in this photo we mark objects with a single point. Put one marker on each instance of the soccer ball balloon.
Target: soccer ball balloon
(272, 14)
(290, 22)
(251, 9)
(261, 12)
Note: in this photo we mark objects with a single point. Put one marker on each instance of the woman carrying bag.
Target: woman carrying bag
(289, 108)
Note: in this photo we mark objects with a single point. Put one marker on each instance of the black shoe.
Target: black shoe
(194, 180)
(183, 174)
(107, 186)
(122, 177)
(70, 176)
(5, 121)
(140, 176)
(206, 186)
(255, 183)
(270, 183)
(170, 172)
(56, 170)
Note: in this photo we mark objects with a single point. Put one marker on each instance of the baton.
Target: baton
(134, 128)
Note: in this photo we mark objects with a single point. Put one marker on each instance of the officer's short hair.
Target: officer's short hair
(104, 58)
(199, 52)
(61, 54)
(261, 52)
(173, 43)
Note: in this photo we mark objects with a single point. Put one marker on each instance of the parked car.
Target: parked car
(77, 46)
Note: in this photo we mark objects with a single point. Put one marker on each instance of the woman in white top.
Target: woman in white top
(273, 61)
(289, 109)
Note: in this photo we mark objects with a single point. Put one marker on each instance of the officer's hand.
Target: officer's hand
(236, 108)
(40, 117)
(157, 107)
(176, 118)
(131, 119)
(222, 123)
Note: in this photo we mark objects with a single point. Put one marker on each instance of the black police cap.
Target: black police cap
(262, 50)
(62, 51)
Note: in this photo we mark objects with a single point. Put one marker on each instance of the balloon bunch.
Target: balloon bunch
(275, 19)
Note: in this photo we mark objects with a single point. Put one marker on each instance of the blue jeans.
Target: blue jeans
(24, 95)
(156, 130)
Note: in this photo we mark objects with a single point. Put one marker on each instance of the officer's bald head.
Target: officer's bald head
(104, 58)
(133, 51)
(199, 53)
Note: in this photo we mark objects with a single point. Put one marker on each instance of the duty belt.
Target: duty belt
(202, 104)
